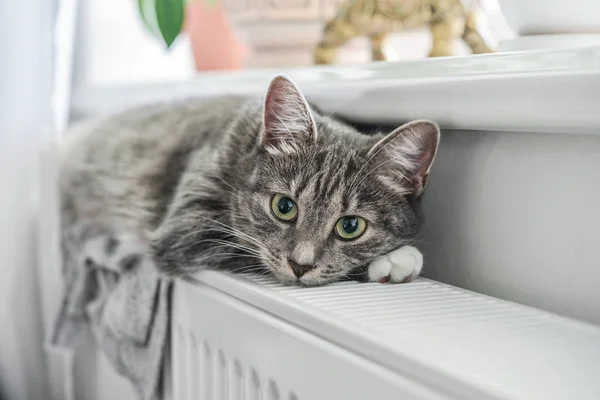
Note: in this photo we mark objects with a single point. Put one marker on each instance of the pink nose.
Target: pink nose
(298, 269)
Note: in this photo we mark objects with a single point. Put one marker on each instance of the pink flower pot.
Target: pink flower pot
(215, 44)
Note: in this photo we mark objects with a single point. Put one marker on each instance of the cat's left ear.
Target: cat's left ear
(405, 156)
(288, 120)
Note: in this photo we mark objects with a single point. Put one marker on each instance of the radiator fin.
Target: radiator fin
(502, 347)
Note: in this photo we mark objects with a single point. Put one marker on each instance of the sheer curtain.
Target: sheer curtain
(28, 118)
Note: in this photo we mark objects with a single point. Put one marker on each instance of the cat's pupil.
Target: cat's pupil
(350, 224)
(285, 205)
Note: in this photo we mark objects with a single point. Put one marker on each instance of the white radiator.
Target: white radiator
(235, 339)
(512, 212)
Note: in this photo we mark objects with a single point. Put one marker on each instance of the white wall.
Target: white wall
(25, 86)
(130, 55)
(127, 55)
(515, 215)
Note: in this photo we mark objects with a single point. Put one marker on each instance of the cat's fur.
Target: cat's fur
(194, 180)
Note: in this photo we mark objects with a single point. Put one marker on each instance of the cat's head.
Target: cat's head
(323, 200)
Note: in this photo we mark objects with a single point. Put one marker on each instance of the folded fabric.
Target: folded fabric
(112, 285)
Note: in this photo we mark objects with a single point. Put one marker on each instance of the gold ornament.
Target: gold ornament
(447, 20)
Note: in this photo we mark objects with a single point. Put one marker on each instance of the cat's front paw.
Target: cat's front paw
(399, 266)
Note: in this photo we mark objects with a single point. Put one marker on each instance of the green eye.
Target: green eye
(284, 208)
(350, 227)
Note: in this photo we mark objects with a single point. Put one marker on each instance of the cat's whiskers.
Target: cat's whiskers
(253, 267)
(238, 246)
(225, 243)
(265, 253)
(226, 183)
(215, 256)
(183, 239)
(256, 269)
(223, 229)
(244, 237)
(250, 238)
(414, 241)
(236, 235)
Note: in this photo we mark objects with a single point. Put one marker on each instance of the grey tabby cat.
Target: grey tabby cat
(236, 184)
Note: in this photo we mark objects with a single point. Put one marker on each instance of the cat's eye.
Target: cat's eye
(350, 227)
(284, 208)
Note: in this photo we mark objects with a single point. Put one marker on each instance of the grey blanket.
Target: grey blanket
(112, 286)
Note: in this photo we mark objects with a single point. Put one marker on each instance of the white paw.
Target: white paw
(399, 266)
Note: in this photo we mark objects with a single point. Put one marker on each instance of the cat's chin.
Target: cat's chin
(291, 280)
(288, 281)
(306, 281)
(316, 280)
(313, 278)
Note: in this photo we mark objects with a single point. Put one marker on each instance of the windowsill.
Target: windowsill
(549, 91)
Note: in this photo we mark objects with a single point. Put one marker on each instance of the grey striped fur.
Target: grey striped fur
(194, 180)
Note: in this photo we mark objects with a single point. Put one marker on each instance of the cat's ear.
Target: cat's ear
(404, 157)
(288, 120)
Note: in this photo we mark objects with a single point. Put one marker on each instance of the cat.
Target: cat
(239, 184)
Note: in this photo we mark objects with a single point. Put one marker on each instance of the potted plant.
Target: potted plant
(215, 44)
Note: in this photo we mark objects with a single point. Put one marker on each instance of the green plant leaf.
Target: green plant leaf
(169, 15)
(148, 14)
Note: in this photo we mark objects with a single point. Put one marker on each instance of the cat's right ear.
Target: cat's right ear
(288, 120)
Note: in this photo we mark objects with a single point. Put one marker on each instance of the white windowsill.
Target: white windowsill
(548, 91)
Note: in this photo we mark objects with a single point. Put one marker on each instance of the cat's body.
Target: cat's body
(124, 169)
(194, 182)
